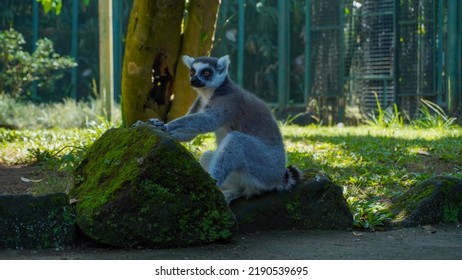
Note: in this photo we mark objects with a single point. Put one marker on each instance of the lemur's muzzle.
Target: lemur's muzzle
(196, 82)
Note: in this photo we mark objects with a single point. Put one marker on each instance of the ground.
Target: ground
(426, 242)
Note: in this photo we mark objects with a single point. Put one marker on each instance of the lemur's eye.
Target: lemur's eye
(192, 72)
(206, 73)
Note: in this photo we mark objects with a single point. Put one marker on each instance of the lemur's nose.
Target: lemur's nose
(196, 82)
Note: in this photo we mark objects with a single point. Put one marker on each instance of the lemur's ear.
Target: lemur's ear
(188, 61)
(223, 63)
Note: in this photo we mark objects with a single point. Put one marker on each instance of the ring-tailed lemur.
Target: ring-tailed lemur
(250, 157)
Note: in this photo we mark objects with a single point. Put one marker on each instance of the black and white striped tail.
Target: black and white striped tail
(292, 176)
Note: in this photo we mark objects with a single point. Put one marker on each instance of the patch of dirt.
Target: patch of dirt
(11, 182)
(427, 242)
(427, 162)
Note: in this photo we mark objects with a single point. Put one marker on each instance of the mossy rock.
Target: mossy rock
(436, 200)
(316, 203)
(36, 222)
(138, 186)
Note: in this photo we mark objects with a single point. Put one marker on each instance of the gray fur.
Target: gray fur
(250, 156)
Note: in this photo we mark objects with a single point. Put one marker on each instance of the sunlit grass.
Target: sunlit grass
(61, 148)
(371, 164)
(369, 161)
(67, 114)
(364, 157)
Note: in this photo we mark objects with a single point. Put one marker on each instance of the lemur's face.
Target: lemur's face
(201, 74)
(207, 72)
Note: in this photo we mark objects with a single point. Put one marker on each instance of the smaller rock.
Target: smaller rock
(316, 203)
(36, 222)
(435, 200)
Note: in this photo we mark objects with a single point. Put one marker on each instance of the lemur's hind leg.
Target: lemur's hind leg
(231, 187)
(205, 160)
(242, 165)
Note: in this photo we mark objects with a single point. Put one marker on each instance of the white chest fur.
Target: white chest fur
(205, 94)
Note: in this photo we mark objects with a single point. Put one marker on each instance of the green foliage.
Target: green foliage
(58, 133)
(49, 5)
(430, 116)
(289, 120)
(18, 68)
(390, 117)
(370, 214)
(56, 183)
(194, 146)
(375, 164)
(56, 5)
(58, 28)
(55, 149)
(66, 114)
(433, 116)
(58, 150)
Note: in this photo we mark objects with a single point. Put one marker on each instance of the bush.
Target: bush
(18, 68)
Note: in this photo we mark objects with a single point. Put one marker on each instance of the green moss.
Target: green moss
(294, 208)
(208, 225)
(36, 222)
(406, 204)
(435, 199)
(451, 212)
(117, 160)
(148, 188)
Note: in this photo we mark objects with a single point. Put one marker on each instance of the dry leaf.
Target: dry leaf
(31, 180)
(422, 152)
(429, 229)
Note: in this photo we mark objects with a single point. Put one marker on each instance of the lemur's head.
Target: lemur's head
(207, 72)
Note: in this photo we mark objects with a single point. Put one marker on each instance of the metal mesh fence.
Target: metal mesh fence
(359, 51)
(326, 51)
(416, 53)
(389, 53)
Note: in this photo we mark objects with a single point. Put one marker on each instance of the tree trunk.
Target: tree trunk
(197, 41)
(151, 51)
(154, 44)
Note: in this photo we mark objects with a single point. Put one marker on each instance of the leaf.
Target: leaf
(49, 5)
(30, 180)
(424, 153)
(204, 36)
(429, 229)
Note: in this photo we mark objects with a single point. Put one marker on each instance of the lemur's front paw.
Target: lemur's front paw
(138, 123)
(157, 124)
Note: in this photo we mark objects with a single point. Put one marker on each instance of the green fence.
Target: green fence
(74, 32)
(400, 50)
(325, 56)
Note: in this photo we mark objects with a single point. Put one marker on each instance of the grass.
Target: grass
(67, 114)
(59, 149)
(375, 164)
(372, 163)
(429, 115)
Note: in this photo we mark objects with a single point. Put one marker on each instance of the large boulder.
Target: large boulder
(435, 200)
(137, 186)
(36, 222)
(316, 203)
